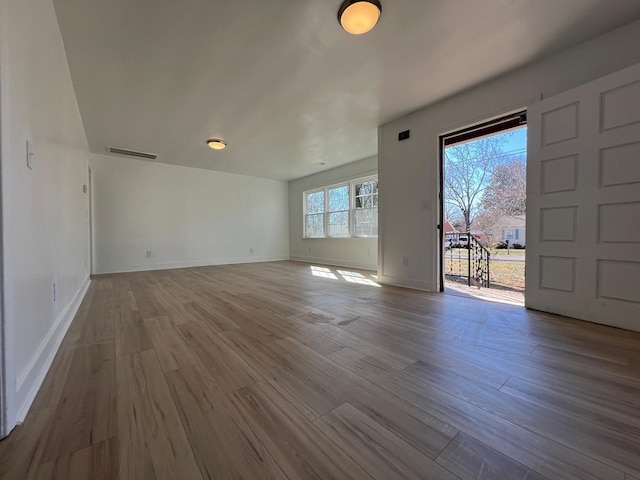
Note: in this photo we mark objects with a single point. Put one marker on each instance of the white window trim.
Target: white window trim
(352, 207)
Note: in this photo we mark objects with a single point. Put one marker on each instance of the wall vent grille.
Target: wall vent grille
(131, 153)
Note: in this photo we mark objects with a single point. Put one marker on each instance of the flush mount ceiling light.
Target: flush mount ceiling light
(216, 143)
(359, 16)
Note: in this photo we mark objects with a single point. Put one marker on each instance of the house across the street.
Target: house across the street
(513, 229)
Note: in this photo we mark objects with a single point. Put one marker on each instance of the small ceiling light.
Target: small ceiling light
(359, 16)
(216, 144)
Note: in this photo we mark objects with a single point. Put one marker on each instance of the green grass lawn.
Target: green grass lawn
(507, 275)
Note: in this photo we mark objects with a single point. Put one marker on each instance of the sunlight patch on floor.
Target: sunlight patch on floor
(355, 277)
(346, 275)
(322, 272)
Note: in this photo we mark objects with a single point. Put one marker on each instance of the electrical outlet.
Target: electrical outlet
(405, 261)
(309, 249)
(148, 253)
(251, 250)
(368, 252)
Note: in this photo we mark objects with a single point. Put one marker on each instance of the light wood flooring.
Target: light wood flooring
(288, 370)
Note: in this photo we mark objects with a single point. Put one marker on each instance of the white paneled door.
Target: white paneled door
(583, 202)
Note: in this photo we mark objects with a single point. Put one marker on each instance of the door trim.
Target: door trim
(4, 400)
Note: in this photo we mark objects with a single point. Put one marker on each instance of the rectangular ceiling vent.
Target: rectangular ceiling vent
(131, 153)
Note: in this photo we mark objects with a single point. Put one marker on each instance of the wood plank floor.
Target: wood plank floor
(288, 370)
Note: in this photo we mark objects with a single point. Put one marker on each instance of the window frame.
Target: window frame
(350, 184)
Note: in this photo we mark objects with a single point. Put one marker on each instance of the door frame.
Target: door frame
(90, 215)
(4, 341)
(3, 337)
(475, 130)
(7, 366)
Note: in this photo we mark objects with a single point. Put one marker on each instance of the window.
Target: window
(338, 211)
(366, 208)
(314, 218)
(344, 210)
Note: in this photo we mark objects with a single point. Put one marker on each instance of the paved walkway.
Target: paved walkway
(488, 294)
(503, 257)
(499, 257)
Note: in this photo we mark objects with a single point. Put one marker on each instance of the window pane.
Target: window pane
(367, 188)
(314, 225)
(367, 194)
(364, 202)
(339, 198)
(339, 224)
(315, 202)
(366, 222)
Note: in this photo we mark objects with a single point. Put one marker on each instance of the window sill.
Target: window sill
(338, 238)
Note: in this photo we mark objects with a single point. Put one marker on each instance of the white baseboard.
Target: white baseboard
(197, 263)
(337, 262)
(31, 380)
(406, 283)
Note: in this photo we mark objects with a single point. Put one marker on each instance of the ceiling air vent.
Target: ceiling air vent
(131, 153)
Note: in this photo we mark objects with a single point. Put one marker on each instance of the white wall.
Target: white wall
(45, 211)
(346, 252)
(409, 170)
(184, 216)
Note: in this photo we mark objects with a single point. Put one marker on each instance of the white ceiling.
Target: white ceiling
(282, 83)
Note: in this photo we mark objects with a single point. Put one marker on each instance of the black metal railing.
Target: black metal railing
(466, 260)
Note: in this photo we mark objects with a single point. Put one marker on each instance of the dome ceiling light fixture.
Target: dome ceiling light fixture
(216, 143)
(359, 16)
